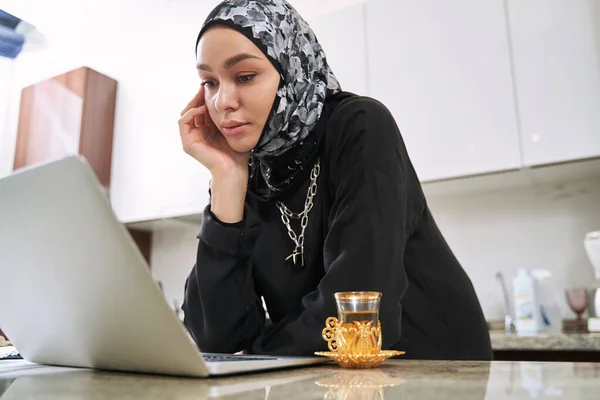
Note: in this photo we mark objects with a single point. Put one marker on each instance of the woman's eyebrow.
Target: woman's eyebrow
(230, 62)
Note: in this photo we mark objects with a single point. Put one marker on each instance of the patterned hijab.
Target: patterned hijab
(287, 40)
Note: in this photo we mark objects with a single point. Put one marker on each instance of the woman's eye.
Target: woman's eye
(246, 78)
(208, 84)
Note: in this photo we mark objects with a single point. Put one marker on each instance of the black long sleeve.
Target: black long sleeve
(370, 230)
(222, 311)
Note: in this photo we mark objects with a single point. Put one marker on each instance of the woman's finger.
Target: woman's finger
(191, 114)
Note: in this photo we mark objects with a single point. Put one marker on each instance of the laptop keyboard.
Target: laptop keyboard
(234, 357)
(9, 353)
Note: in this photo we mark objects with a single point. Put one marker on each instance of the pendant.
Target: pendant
(298, 252)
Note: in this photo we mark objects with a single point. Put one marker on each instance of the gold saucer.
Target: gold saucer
(360, 360)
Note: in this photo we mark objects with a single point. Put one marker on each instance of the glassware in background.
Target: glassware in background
(577, 298)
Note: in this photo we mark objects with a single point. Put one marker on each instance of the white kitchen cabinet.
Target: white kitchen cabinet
(341, 32)
(443, 70)
(556, 57)
(153, 178)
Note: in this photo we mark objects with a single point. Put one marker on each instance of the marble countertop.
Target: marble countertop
(395, 379)
(561, 341)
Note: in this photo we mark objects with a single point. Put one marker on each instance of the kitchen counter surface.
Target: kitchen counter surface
(396, 379)
(562, 341)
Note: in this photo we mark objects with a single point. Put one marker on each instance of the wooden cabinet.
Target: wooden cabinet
(71, 113)
(556, 57)
(443, 69)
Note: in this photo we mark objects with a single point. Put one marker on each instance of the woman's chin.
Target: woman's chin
(242, 145)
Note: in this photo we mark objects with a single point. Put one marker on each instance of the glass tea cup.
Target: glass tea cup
(356, 330)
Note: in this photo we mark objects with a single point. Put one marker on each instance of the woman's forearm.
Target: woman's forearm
(228, 192)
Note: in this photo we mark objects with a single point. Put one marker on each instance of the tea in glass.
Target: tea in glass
(358, 330)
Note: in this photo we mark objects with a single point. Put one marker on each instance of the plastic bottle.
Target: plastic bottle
(527, 306)
(551, 319)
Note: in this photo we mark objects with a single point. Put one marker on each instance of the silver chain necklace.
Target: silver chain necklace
(286, 214)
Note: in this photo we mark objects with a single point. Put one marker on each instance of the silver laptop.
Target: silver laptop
(76, 291)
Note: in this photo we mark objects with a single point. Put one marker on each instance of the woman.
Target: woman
(312, 193)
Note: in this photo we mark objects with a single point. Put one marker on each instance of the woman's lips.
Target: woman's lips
(234, 128)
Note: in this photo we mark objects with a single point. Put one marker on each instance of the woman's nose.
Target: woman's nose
(227, 98)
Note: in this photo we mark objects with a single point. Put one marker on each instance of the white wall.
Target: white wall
(539, 226)
(6, 137)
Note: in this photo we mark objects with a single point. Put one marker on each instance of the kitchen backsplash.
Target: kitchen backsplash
(539, 226)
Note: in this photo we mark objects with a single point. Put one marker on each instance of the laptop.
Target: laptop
(76, 290)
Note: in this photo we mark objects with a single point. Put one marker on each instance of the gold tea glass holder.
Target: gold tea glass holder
(354, 338)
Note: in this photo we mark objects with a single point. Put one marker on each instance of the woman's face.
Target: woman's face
(240, 85)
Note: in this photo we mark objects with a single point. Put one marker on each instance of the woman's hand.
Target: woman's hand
(202, 140)
(229, 169)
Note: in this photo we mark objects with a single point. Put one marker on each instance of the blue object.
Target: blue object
(9, 20)
(11, 42)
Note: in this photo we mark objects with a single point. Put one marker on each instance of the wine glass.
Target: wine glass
(578, 301)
